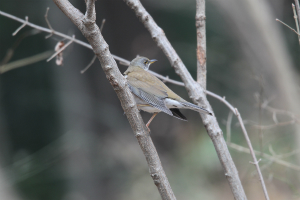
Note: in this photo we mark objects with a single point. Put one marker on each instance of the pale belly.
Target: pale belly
(148, 109)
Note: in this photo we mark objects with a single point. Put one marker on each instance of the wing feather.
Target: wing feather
(154, 96)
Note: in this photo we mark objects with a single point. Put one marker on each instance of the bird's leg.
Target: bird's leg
(150, 120)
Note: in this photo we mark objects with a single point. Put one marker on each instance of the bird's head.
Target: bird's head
(142, 62)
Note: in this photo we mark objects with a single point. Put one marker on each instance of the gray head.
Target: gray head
(142, 62)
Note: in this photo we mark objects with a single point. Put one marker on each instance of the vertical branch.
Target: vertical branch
(90, 10)
(298, 10)
(86, 24)
(201, 42)
(296, 20)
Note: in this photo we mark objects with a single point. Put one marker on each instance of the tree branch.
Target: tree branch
(91, 31)
(201, 42)
(298, 10)
(90, 10)
(266, 156)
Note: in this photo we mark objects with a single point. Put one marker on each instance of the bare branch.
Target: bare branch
(265, 127)
(228, 127)
(266, 156)
(94, 58)
(102, 25)
(49, 25)
(196, 93)
(275, 159)
(201, 42)
(40, 28)
(61, 49)
(296, 21)
(90, 10)
(10, 52)
(23, 62)
(22, 26)
(298, 10)
(288, 26)
(252, 154)
(91, 31)
(89, 65)
(296, 151)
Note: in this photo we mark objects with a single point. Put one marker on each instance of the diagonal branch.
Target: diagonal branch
(22, 26)
(61, 49)
(91, 31)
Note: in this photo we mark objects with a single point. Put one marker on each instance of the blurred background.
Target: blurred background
(63, 134)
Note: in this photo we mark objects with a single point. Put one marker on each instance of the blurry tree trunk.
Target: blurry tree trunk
(266, 50)
(76, 113)
(7, 192)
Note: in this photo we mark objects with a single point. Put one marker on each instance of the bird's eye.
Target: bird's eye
(145, 62)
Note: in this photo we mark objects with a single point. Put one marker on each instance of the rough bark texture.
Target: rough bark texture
(196, 93)
(201, 42)
(86, 24)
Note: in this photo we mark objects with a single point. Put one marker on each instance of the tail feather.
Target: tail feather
(195, 107)
(176, 113)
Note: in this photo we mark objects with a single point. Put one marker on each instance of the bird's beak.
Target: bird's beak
(152, 61)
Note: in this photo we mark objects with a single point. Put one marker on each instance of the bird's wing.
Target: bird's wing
(143, 86)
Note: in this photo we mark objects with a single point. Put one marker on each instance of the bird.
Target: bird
(152, 95)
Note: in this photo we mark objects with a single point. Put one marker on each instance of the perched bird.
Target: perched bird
(152, 95)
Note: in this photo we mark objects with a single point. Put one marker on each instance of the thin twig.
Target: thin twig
(10, 51)
(252, 154)
(266, 156)
(298, 10)
(266, 106)
(89, 65)
(94, 58)
(48, 23)
(90, 10)
(296, 21)
(22, 26)
(275, 159)
(288, 26)
(102, 25)
(25, 61)
(265, 127)
(228, 127)
(58, 34)
(61, 49)
(296, 151)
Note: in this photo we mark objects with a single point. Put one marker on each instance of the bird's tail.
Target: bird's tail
(195, 107)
